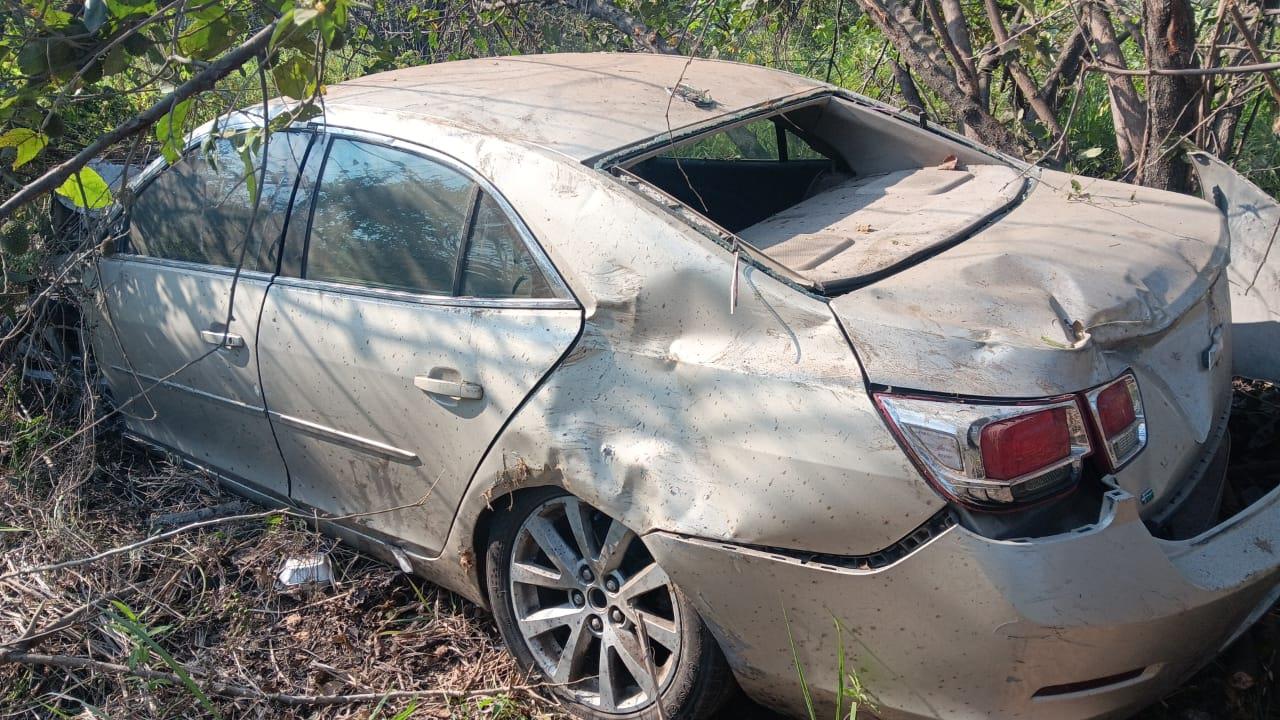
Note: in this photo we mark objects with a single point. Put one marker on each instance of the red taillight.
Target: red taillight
(1115, 409)
(1020, 445)
(991, 454)
(1119, 419)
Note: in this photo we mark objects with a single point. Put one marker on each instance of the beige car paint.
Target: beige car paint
(200, 399)
(1253, 222)
(737, 434)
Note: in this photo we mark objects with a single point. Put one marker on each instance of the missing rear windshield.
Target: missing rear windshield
(739, 176)
(835, 193)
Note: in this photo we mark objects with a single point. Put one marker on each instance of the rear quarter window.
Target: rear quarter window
(498, 265)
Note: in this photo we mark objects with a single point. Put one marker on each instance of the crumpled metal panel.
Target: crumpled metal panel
(1253, 222)
(671, 412)
(1067, 273)
(973, 628)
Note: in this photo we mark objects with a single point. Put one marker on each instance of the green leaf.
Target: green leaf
(303, 16)
(125, 9)
(169, 131)
(1091, 153)
(145, 638)
(86, 189)
(284, 28)
(28, 142)
(32, 60)
(211, 31)
(116, 61)
(295, 77)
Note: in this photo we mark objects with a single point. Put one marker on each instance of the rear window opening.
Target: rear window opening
(836, 193)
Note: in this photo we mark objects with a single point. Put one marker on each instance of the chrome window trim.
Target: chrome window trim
(189, 266)
(388, 295)
(554, 279)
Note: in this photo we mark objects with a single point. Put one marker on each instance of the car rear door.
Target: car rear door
(406, 327)
(182, 297)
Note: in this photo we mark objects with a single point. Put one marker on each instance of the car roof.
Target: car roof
(580, 104)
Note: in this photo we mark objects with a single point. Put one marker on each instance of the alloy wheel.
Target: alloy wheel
(581, 585)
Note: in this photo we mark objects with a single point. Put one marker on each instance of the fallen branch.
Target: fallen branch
(234, 507)
(221, 689)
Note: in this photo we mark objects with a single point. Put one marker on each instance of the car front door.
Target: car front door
(402, 334)
(180, 303)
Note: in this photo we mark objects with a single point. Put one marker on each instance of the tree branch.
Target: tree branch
(1026, 84)
(1188, 72)
(1254, 50)
(918, 50)
(201, 81)
(1128, 111)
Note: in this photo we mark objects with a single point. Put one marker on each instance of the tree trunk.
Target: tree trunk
(1026, 84)
(907, 87)
(1128, 115)
(919, 51)
(1172, 99)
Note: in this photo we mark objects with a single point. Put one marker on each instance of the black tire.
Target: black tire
(700, 681)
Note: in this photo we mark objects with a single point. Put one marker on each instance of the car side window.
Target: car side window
(387, 218)
(498, 264)
(199, 209)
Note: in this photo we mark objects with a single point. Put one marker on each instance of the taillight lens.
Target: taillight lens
(1122, 425)
(992, 455)
(1026, 443)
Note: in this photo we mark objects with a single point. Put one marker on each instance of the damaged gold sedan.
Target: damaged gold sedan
(669, 362)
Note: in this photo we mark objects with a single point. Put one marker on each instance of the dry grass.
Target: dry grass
(206, 599)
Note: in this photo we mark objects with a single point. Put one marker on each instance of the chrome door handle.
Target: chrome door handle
(228, 340)
(459, 389)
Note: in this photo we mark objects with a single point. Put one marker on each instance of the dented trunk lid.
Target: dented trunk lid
(1079, 282)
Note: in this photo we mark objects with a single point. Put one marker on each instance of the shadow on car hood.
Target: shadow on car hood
(1027, 306)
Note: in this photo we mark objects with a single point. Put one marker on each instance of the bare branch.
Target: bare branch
(1185, 72)
(918, 50)
(1128, 111)
(204, 80)
(1026, 84)
(1238, 20)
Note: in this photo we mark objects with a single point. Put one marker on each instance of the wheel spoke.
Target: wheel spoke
(627, 646)
(650, 578)
(574, 649)
(608, 694)
(579, 516)
(527, 574)
(548, 619)
(547, 538)
(660, 630)
(614, 547)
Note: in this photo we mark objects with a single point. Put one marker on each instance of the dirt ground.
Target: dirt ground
(202, 603)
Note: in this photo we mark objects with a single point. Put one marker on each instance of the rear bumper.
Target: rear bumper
(968, 627)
